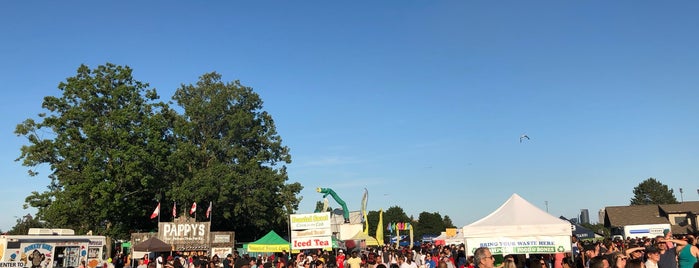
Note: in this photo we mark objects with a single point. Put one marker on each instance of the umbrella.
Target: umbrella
(152, 244)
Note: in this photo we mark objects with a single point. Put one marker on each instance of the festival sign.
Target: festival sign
(521, 245)
(268, 248)
(311, 242)
(184, 232)
(310, 231)
(310, 221)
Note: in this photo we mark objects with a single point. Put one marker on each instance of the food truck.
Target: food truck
(52, 248)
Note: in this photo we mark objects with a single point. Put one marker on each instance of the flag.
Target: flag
(174, 210)
(365, 198)
(156, 212)
(193, 209)
(379, 228)
(208, 210)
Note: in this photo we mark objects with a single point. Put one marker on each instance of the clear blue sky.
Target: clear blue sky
(420, 102)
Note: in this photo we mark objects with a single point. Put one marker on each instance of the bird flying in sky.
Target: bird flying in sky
(524, 136)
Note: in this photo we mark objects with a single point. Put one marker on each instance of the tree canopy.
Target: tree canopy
(115, 151)
(652, 191)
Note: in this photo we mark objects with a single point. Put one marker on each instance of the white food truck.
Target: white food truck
(52, 248)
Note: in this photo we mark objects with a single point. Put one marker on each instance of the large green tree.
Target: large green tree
(228, 152)
(24, 224)
(430, 223)
(106, 141)
(652, 191)
(114, 151)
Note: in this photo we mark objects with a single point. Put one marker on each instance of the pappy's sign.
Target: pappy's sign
(184, 231)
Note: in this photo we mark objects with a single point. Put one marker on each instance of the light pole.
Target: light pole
(681, 196)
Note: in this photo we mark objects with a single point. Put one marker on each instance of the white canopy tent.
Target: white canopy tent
(518, 227)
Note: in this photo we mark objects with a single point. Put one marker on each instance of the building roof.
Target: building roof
(633, 215)
(618, 216)
(684, 207)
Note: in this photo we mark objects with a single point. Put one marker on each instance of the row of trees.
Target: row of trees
(114, 150)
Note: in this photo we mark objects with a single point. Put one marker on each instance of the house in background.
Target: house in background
(682, 217)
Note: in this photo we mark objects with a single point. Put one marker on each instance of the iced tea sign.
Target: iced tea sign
(310, 231)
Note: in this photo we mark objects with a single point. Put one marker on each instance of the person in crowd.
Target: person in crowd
(178, 262)
(635, 263)
(170, 263)
(687, 255)
(142, 264)
(160, 261)
(599, 262)
(668, 256)
(483, 258)
(536, 261)
(354, 261)
(635, 252)
(461, 257)
(284, 257)
(300, 260)
(589, 251)
(239, 261)
(429, 261)
(340, 259)
(509, 262)
(652, 257)
(330, 260)
(618, 260)
(409, 262)
(228, 261)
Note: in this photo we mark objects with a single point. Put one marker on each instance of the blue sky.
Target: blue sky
(420, 102)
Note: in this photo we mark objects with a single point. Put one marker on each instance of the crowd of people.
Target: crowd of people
(658, 252)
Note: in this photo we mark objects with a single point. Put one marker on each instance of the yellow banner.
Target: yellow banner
(451, 232)
(267, 248)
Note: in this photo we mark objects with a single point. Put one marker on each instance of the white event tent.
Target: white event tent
(518, 227)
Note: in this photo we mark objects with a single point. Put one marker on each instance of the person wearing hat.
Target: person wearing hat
(340, 259)
(652, 257)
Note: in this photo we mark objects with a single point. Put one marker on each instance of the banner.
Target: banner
(311, 242)
(521, 245)
(312, 233)
(268, 248)
(310, 221)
